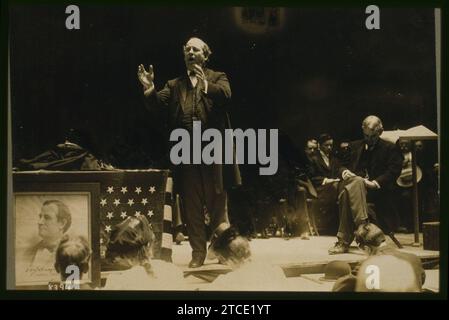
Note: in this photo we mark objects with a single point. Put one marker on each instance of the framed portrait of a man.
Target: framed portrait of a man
(54, 236)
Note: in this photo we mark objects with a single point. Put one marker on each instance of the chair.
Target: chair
(372, 214)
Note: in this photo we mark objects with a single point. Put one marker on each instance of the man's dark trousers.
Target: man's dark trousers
(198, 191)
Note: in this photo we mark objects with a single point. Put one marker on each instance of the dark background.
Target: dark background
(319, 70)
(306, 72)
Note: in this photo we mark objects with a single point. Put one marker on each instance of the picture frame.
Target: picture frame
(42, 214)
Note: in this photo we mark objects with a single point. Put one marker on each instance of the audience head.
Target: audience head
(311, 147)
(326, 143)
(386, 273)
(344, 146)
(369, 237)
(404, 145)
(229, 247)
(419, 145)
(130, 242)
(72, 251)
(372, 129)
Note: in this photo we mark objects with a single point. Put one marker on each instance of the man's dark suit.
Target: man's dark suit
(327, 194)
(199, 185)
(384, 166)
(382, 163)
(319, 169)
(30, 253)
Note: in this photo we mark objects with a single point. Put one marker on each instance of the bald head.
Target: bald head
(196, 51)
(386, 273)
(198, 42)
(373, 123)
(372, 129)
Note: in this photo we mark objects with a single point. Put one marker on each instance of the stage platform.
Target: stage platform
(302, 261)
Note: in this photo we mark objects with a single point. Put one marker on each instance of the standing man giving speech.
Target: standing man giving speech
(200, 94)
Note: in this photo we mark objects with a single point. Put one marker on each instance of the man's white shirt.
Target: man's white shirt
(194, 81)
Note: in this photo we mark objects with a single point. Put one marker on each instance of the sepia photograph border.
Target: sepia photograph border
(5, 163)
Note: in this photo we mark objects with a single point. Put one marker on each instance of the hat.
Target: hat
(345, 284)
(336, 269)
(405, 180)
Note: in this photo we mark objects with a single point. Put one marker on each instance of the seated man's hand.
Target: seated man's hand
(330, 180)
(347, 174)
(371, 184)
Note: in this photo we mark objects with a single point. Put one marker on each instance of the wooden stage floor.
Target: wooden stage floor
(303, 261)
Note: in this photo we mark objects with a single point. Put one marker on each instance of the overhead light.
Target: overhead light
(259, 20)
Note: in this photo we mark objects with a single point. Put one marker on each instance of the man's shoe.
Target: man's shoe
(305, 236)
(179, 238)
(339, 248)
(196, 262)
(402, 230)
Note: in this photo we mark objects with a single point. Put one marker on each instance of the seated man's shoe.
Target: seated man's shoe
(305, 236)
(402, 230)
(339, 248)
(196, 262)
(179, 238)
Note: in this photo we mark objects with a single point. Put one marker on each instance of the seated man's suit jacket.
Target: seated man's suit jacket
(385, 165)
(318, 169)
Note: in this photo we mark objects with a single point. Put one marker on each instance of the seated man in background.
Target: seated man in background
(323, 174)
(323, 169)
(427, 178)
(403, 190)
(427, 159)
(299, 190)
(286, 212)
(372, 167)
(310, 148)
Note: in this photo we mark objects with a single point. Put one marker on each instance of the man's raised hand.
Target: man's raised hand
(146, 78)
(199, 72)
